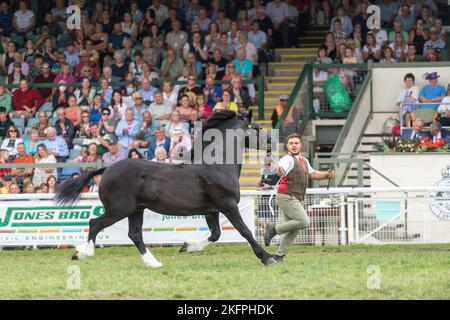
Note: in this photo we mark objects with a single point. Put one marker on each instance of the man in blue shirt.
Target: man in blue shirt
(6, 17)
(147, 91)
(433, 92)
(389, 10)
(116, 38)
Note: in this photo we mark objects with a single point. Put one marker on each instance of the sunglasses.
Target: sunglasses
(11, 131)
(85, 116)
(137, 98)
(106, 113)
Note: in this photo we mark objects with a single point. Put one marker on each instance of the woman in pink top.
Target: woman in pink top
(66, 75)
(73, 112)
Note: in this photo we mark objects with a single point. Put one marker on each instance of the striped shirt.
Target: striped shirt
(58, 145)
(277, 12)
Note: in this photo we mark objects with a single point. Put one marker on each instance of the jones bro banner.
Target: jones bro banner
(40, 222)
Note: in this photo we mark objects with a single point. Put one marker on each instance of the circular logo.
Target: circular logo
(439, 201)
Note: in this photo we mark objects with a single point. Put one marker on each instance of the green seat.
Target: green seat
(426, 114)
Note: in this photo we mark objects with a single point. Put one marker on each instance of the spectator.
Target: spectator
(406, 18)
(339, 34)
(42, 125)
(97, 105)
(245, 67)
(331, 45)
(96, 183)
(32, 142)
(388, 56)
(412, 56)
(278, 12)
(398, 29)
(8, 57)
(106, 126)
(135, 67)
(66, 75)
(24, 21)
(175, 123)
(443, 33)
(357, 37)
(86, 64)
(203, 109)
(432, 55)
(170, 95)
(6, 18)
(433, 92)
(314, 8)
(127, 129)
(5, 100)
(105, 91)
(176, 39)
(5, 121)
(195, 66)
(117, 106)
(437, 133)
(41, 174)
(85, 94)
(180, 144)
(443, 109)
(160, 155)
(108, 76)
(212, 38)
(226, 103)
(197, 47)
(22, 158)
(45, 77)
(28, 187)
(11, 141)
(113, 155)
(73, 112)
(56, 145)
(278, 112)
(211, 91)
(4, 173)
(51, 183)
(146, 131)
(226, 48)
(430, 4)
(135, 154)
(239, 95)
(101, 140)
(65, 127)
(160, 141)
(92, 157)
(223, 22)
(72, 57)
(427, 18)
(18, 60)
(14, 188)
(203, 20)
(14, 78)
(434, 41)
(319, 78)
(389, 10)
(184, 108)
(371, 51)
(416, 133)
(150, 54)
(160, 109)
(147, 91)
(119, 67)
(191, 89)
(409, 94)
(128, 26)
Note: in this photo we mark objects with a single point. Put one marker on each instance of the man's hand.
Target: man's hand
(330, 174)
(281, 171)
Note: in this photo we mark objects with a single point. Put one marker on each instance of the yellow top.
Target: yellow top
(232, 106)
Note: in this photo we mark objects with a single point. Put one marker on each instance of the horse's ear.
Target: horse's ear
(250, 115)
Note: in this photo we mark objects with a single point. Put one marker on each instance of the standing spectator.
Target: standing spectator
(32, 142)
(113, 155)
(11, 141)
(277, 11)
(64, 127)
(24, 21)
(56, 145)
(126, 129)
(433, 92)
(41, 174)
(160, 141)
(26, 101)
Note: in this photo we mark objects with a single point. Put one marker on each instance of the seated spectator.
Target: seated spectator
(72, 57)
(127, 129)
(191, 90)
(278, 12)
(66, 75)
(45, 77)
(105, 91)
(250, 51)
(239, 95)
(160, 109)
(416, 133)
(106, 126)
(331, 45)
(119, 67)
(381, 37)
(409, 94)
(443, 33)
(6, 18)
(269, 177)
(170, 95)
(437, 133)
(203, 109)
(432, 55)
(160, 155)
(176, 38)
(18, 60)
(26, 101)
(41, 175)
(113, 155)
(35, 66)
(73, 112)
(14, 78)
(388, 56)
(116, 38)
(226, 48)
(147, 130)
(160, 141)
(399, 47)
(11, 141)
(425, 14)
(433, 92)
(135, 154)
(117, 106)
(398, 29)
(42, 125)
(147, 91)
(24, 21)
(180, 144)
(434, 42)
(60, 96)
(28, 187)
(350, 43)
(220, 62)
(172, 66)
(358, 36)
(194, 124)
(226, 103)
(175, 123)
(32, 142)
(128, 50)
(85, 94)
(56, 145)
(443, 109)
(211, 91)
(5, 122)
(65, 127)
(135, 66)
(92, 156)
(22, 157)
(405, 17)
(101, 140)
(245, 67)
(371, 51)
(184, 108)
(412, 56)
(5, 100)
(194, 66)
(51, 183)
(14, 188)
(5, 173)
(338, 31)
(86, 64)
(107, 75)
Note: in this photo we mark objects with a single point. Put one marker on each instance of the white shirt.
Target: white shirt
(287, 163)
(23, 19)
(381, 37)
(444, 107)
(412, 92)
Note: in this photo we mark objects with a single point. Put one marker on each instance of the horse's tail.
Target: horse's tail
(69, 191)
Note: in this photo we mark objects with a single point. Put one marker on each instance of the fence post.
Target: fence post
(261, 90)
(351, 221)
(309, 75)
(343, 224)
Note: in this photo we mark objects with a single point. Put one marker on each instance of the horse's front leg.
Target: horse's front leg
(212, 219)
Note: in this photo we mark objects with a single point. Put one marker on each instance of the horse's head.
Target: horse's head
(256, 136)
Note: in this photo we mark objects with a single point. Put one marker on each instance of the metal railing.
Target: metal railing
(412, 107)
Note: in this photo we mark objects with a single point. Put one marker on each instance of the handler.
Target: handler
(294, 170)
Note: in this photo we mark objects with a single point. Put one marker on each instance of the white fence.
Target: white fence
(347, 215)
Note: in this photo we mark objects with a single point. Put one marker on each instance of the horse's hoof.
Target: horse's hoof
(270, 261)
(184, 247)
(75, 256)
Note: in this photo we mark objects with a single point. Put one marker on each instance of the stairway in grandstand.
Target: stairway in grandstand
(281, 79)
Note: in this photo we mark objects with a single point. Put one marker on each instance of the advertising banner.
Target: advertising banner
(40, 222)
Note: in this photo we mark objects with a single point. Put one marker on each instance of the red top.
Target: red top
(30, 98)
(283, 187)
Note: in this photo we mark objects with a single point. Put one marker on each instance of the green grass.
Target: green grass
(231, 272)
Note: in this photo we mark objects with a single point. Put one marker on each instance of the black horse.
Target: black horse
(129, 186)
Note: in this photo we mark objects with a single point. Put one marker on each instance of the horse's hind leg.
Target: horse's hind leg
(135, 233)
(234, 216)
(212, 219)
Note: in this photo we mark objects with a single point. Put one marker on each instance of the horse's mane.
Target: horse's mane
(217, 118)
